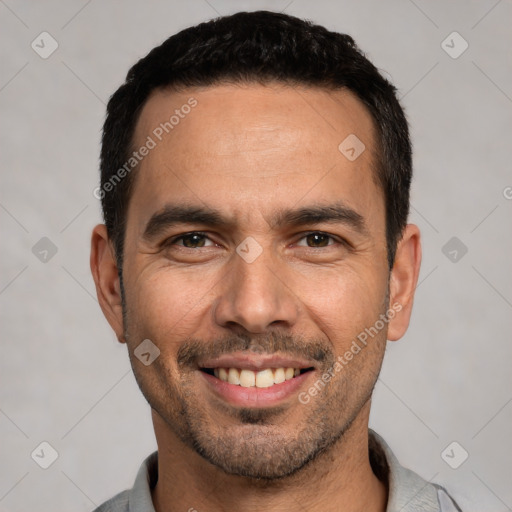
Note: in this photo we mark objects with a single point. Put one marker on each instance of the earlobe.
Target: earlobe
(403, 281)
(105, 274)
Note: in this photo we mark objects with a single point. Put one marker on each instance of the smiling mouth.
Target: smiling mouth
(255, 379)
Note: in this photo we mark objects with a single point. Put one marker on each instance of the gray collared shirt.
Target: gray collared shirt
(408, 492)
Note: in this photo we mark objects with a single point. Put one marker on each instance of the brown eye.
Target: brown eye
(317, 239)
(191, 240)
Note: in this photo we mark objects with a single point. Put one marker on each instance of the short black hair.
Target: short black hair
(257, 47)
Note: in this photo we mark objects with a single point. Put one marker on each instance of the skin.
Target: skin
(250, 151)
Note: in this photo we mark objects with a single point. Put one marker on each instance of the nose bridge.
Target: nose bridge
(254, 295)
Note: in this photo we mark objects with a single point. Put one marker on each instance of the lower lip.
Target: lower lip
(253, 396)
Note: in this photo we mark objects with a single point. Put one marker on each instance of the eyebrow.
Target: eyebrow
(171, 215)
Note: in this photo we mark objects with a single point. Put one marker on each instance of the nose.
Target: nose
(255, 297)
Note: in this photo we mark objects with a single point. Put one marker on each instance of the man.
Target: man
(255, 258)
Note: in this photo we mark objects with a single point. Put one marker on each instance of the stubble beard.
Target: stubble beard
(255, 445)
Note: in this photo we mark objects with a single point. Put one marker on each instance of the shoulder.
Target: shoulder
(118, 503)
(407, 491)
(138, 498)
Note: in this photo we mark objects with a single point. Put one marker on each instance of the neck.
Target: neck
(339, 478)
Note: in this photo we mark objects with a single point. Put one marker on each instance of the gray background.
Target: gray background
(65, 379)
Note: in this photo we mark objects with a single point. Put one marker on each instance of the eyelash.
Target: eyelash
(173, 240)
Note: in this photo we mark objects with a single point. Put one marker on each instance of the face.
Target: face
(255, 255)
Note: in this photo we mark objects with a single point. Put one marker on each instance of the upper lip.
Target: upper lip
(255, 362)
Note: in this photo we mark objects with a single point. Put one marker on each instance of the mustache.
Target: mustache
(193, 350)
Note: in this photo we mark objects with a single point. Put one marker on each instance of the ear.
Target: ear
(106, 278)
(403, 281)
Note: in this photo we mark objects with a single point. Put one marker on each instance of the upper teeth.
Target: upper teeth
(262, 379)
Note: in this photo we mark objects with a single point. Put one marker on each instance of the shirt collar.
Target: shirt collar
(407, 491)
(140, 494)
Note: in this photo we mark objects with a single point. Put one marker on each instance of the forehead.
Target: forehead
(247, 149)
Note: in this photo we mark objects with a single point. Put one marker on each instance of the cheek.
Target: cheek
(343, 302)
(167, 303)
